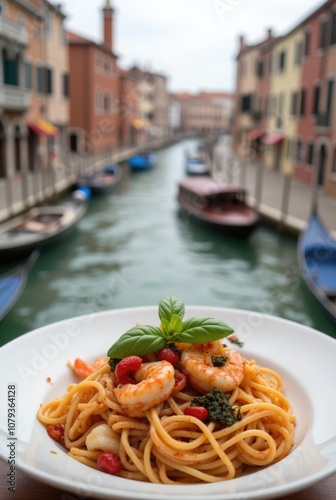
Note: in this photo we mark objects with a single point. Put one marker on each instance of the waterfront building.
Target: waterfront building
(206, 112)
(29, 136)
(94, 90)
(130, 124)
(286, 104)
(299, 134)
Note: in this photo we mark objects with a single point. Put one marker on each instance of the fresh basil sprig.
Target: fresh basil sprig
(144, 339)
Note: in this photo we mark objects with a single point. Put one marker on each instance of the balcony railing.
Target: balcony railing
(13, 31)
(14, 98)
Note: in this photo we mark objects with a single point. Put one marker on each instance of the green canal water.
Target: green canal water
(134, 247)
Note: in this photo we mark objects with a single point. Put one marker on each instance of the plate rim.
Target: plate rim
(269, 492)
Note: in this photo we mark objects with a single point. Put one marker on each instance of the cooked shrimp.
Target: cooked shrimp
(82, 369)
(102, 438)
(197, 364)
(155, 384)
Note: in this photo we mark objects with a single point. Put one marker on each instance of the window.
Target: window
(316, 99)
(65, 84)
(10, 69)
(333, 29)
(99, 60)
(106, 103)
(333, 166)
(299, 150)
(259, 69)
(282, 61)
(294, 103)
(28, 69)
(306, 50)
(40, 80)
(303, 102)
(48, 75)
(98, 101)
(246, 104)
(330, 95)
(48, 24)
(323, 33)
(310, 153)
(297, 53)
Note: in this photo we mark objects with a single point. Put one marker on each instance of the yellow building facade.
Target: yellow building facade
(284, 103)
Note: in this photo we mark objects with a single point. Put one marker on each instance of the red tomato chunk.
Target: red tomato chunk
(56, 431)
(167, 354)
(180, 381)
(125, 369)
(199, 412)
(109, 462)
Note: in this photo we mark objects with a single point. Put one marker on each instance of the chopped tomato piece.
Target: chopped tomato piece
(56, 431)
(109, 462)
(125, 368)
(199, 412)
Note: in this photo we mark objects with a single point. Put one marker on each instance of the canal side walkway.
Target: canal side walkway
(28, 189)
(280, 199)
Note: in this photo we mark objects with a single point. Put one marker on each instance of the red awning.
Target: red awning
(255, 134)
(272, 139)
(42, 127)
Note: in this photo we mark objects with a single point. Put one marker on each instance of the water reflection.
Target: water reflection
(133, 247)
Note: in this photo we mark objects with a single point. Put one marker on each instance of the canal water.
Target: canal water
(134, 247)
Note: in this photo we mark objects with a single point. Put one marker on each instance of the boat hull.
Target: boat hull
(16, 248)
(142, 162)
(316, 254)
(104, 181)
(238, 231)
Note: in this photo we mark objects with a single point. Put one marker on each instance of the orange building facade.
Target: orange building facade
(94, 91)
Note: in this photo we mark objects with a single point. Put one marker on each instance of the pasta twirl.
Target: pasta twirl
(162, 444)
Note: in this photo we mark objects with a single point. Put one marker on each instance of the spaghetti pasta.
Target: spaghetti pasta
(160, 442)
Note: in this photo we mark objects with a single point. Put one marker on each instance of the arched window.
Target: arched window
(98, 101)
(107, 103)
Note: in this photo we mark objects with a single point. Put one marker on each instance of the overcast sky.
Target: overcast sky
(194, 42)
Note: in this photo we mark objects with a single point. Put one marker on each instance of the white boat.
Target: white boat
(41, 226)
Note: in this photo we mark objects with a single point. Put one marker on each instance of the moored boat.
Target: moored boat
(103, 181)
(13, 282)
(219, 205)
(195, 164)
(41, 226)
(317, 260)
(142, 161)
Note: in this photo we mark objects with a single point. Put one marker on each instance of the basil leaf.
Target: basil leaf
(174, 327)
(201, 330)
(169, 306)
(164, 324)
(138, 341)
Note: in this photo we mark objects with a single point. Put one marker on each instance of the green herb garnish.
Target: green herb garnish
(218, 405)
(219, 360)
(144, 339)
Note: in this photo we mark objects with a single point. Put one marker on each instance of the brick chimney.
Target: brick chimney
(108, 12)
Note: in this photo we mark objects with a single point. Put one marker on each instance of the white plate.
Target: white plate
(304, 357)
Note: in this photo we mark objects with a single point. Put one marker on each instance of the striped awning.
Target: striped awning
(42, 127)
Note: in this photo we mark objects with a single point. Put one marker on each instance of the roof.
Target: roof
(206, 186)
(75, 39)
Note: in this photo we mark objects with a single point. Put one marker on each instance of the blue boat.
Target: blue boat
(143, 161)
(13, 282)
(317, 261)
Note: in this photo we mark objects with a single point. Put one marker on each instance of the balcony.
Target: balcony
(13, 32)
(14, 98)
